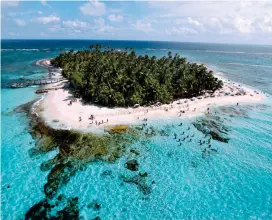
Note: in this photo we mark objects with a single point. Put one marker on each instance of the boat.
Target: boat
(18, 85)
(40, 91)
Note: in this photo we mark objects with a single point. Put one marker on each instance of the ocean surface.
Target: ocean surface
(232, 182)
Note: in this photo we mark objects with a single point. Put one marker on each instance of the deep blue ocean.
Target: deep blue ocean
(233, 183)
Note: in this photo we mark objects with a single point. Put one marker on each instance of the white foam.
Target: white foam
(222, 51)
(256, 65)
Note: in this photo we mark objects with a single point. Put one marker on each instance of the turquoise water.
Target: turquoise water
(233, 183)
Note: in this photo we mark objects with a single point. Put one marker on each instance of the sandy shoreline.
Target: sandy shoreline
(56, 111)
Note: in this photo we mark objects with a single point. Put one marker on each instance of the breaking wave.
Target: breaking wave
(234, 52)
(255, 65)
(219, 51)
(25, 49)
(156, 49)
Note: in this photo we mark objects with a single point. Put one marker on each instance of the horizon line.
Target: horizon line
(83, 39)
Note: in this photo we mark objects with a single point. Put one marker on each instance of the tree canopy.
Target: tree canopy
(121, 78)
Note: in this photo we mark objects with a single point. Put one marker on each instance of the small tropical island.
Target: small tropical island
(101, 88)
(121, 78)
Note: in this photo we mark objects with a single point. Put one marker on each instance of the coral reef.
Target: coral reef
(132, 165)
(42, 210)
(119, 129)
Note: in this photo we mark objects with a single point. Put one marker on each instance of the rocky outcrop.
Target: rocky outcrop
(42, 211)
(132, 165)
(118, 129)
(213, 126)
(141, 181)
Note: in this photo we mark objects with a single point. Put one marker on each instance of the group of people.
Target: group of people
(72, 100)
(100, 122)
(96, 122)
(207, 149)
(182, 108)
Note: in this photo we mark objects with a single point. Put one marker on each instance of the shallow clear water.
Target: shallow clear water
(233, 183)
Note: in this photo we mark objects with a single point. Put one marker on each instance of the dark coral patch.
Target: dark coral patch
(42, 211)
(38, 211)
(213, 126)
(132, 165)
(141, 181)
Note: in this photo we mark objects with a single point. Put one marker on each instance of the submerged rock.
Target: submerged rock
(135, 152)
(59, 175)
(42, 211)
(132, 165)
(71, 211)
(214, 127)
(60, 197)
(119, 129)
(25, 108)
(107, 173)
(143, 174)
(38, 211)
(234, 111)
(139, 180)
(216, 136)
(48, 165)
(94, 205)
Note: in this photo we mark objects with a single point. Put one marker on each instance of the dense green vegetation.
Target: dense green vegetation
(121, 78)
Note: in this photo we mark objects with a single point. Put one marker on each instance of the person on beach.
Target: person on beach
(80, 119)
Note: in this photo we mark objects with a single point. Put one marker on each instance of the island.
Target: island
(102, 87)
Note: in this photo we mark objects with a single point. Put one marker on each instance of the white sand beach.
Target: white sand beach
(56, 110)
